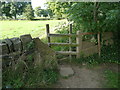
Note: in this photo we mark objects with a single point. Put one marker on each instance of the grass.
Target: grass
(109, 54)
(26, 74)
(12, 29)
(111, 79)
(34, 77)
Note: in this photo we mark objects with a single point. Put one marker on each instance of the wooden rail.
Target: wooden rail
(78, 43)
(61, 35)
(62, 44)
(66, 52)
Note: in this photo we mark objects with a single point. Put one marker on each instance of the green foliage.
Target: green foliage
(40, 78)
(44, 12)
(109, 54)
(59, 8)
(12, 9)
(30, 45)
(32, 77)
(62, 28)
(112, 79)
(37, 11)
(94, 17)
(29, 13)
(24, 74)
(5, 8)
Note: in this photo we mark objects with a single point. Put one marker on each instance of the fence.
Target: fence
(79, 43)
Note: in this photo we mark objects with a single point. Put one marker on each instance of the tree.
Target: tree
(5, 8)
(94, 17)
(37, 11)
(50, 13)
(12, 9)
(44, 12)
(29, 13)
(59, 8)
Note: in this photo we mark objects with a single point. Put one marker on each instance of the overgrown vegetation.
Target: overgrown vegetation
(109, 54)
(25, 73)
(95, 16)
(32, 77)
(112, 79)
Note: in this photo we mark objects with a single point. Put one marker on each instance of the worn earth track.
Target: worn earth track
(85, 77)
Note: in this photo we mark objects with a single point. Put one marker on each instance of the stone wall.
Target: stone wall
(28, 50)
(107, 38)
(11, 49)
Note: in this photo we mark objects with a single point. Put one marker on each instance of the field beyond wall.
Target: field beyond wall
(12, 29)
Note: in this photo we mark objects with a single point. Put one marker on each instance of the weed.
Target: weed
(110, 54)
(112, 80)
(30, 45)
(33, 77)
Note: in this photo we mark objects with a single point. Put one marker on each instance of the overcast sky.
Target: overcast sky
(36, 3)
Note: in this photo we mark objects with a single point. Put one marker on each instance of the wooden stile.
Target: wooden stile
(78, 44)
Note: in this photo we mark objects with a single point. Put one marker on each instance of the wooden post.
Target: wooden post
(79, 42)
(99, 47)
(48, 31)
(70, 40)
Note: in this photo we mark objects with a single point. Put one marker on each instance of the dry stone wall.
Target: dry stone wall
(28, 50)
(11, 49)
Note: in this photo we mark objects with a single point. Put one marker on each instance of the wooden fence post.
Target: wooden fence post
(79, 43)
(70, 40)
(48, 31)
(99, 47)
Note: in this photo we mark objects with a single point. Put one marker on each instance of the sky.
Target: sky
(36, 3)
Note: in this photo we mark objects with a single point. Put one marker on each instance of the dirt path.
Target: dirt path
(85, 77)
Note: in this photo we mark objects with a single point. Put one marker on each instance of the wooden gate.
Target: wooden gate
(78, 44)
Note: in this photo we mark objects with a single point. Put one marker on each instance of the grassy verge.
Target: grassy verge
(33, 78)
(112, 80)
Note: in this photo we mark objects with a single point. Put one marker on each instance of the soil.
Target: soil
(85, 77)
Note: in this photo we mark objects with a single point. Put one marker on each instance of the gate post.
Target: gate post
(79, 43)
(70, 40)
(99, 46)
(48, 31)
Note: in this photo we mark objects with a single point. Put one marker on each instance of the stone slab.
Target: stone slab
(25, 40)
(3, 49)
(45, 53)
(9, 43)
(17, 44)
(66, 71)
